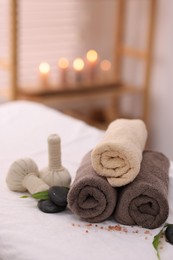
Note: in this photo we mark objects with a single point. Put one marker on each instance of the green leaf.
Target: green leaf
(24, 196)
(42, 195)
(156, 240)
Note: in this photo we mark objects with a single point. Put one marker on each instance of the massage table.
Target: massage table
(26, 233)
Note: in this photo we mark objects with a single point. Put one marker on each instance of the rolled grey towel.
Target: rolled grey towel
(144, 202)
(91, 197)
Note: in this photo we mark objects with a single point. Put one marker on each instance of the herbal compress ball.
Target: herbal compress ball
(23, 175)
(55, 174)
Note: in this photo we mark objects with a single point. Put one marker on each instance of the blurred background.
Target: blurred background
(128, 73)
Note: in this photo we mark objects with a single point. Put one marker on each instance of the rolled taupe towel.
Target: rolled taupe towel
(119, 154)
(144, 202)
(91, 197)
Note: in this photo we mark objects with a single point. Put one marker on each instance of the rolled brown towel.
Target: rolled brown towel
(91, 197)
(144, 202)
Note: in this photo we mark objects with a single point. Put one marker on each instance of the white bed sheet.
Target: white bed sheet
(28, 234)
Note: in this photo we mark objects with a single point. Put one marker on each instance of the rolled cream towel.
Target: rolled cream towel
(119, 154)
(91, 197)
(144, 202)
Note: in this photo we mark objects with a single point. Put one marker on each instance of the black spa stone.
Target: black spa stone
(169, 233)
(58, 195)
(48, 206)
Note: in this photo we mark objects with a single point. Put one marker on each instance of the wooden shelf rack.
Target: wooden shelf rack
(112, 90)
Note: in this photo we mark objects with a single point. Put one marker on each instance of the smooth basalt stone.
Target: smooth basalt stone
(48, 206)
(58, 195)
(169, 233)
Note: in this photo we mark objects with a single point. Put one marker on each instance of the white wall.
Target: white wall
(161, 85)
(161, 119)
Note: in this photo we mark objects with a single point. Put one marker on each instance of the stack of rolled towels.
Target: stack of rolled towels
(122, 180)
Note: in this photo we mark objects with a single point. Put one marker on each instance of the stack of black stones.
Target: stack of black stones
(56, 201)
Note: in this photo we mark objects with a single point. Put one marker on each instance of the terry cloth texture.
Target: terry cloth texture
(144, 202)
(119, 154)
(91, 197)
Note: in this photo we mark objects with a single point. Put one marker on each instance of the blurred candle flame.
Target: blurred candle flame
(63, 63)
(92, 56)
(78, 64)
(105, 65)
(44, 68)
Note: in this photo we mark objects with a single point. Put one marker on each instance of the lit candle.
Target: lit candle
(44, 69)
(78, 65)
(105, 67)
(63, 65)
(92, 58)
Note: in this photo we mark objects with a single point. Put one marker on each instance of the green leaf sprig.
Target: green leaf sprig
(156, 239)
(42, 195)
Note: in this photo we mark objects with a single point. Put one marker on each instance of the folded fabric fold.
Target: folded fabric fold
(119, 154)
(91, 197)
(144, 202)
